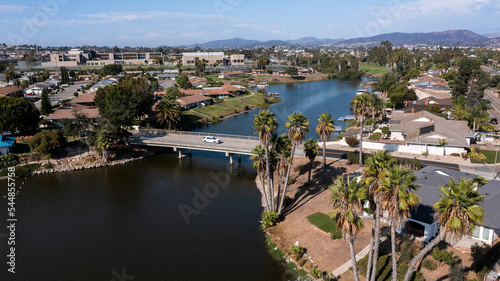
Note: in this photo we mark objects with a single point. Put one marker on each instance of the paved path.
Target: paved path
(345, 267)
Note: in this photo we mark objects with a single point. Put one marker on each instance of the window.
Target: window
(486, 234)
(475, 232)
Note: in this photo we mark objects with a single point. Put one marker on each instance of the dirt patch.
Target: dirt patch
(327, 254)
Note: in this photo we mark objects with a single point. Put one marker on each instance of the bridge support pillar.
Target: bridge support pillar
(230, 158)
(180, 153)
(189, 152)
(239, 158)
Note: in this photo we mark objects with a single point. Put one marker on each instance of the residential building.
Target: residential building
(6, 144)
(419, 105)
(11, 91)
(194, 101)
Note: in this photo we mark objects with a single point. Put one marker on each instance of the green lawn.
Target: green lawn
(373, 68)
(490, 157)
(325, 223)
(233, 105)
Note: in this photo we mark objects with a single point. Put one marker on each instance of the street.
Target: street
(494, 111)
(64, 94)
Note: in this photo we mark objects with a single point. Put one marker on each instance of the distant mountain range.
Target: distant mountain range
(445, 38)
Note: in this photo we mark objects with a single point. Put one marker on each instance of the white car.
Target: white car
(210, 139)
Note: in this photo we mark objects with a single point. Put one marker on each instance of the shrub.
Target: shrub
(316, 273)
(291, 180)
(48, 165)
(247, 107)
(456, 273)
(8, 160)
(269, 219)
(476, 154)
(353, 157)
(47, 142)
(455, 154)
(215, 119)
(375, 136)
(429, 264)
(297, 251)
(386, 131)
(444, 256)
(21, 171)
(351, 141)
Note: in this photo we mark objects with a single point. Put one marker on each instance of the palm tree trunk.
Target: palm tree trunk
(370, 255)
(268, 175)
(353, 259)
(286, 179)
(422, 253)
(324, 153)
(474, 127)
(361, 143)
(310, 170)
(393, 248)
(264, 190)
(377, 242)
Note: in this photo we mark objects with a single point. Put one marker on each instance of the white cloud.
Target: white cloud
(134, 16)
(440, 7)
(12, 8)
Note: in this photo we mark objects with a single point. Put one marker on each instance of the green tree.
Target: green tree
(458, 212)
(361, 104)
(347, 197)
(292, 71)
(324, 130)
(311, 149)
(111, 69)
(168, 111)
(47, 142)
(265, 125)
(297, 126)
(64, 75)
(76, 126)
(18, 114)
(478, 115)
(120, 104)
(104, 142)
(183, 82)
(387, 83)
(396, 190)
(46, 107)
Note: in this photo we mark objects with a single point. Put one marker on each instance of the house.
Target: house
(69, 113)
(234, 90)
(11, 91)
(419, 105)
(258, 71)
(421, 222)
(6, 144)
(490, 230)
(194, 101)
(218, 93)
(169, 73)
(85, 99)
(232, 74)
(426, 132)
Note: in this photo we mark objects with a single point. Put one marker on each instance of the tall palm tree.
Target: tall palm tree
(347, 198)
(386, 83)
(478, 114)
(460, 109)
(324, 130)
(104, 142)
(168, 111)
(259, 161)
(361, 104)
(297, 126)
(283, 148)
(375, 165)
(265, 125)
(311, 149)
(458, 212)
(397, 198)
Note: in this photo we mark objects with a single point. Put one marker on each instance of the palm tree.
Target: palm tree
(375, 165)
(397, 198)
(478, 114)
(104, 142)
(168, 111)
(361, 105)
(259, 161)
(297, 126)
(283, 148)
(460, 109)
(458, 212)
(386, 83)
(324, 130)
(347, 197)
(311, 149)
(265, 125)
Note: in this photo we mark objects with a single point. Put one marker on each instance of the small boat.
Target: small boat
(273, 94)
(262, 85)
(347, 117)
(360, 92)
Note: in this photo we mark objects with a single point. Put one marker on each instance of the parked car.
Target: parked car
(494, 121)
(209, 139)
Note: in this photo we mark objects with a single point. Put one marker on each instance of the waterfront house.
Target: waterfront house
(6, 144)
(194, 101)
(234, 90)
(419, 105)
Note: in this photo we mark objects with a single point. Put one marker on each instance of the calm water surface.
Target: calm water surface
(97, 224)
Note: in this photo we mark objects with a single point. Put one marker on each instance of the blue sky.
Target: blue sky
(155, 23)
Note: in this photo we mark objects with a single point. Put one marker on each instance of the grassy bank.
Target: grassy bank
(373, 68)
(291, 268)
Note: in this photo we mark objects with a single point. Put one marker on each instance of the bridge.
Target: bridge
(183, 140)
